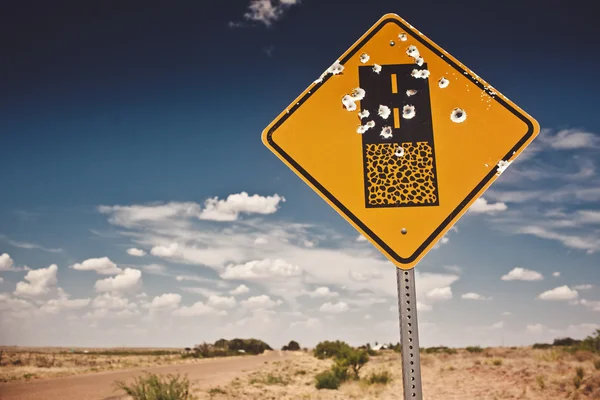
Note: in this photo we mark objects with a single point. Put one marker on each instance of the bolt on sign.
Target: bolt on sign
(400, 138)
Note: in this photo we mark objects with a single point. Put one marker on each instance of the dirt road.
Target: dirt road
(99, 386)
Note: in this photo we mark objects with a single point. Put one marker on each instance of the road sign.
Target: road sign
(400, 138)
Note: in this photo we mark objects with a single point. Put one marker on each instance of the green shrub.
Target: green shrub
(497, 362)
(542, 345)
(329, 349)
(354, 359)
(383, 377)
(156, 387)
(579, 372)
(340, 370)
(291, 346)
(327, 380)
(565, 342)
(577, 382)
(474, 349)
(597, 364)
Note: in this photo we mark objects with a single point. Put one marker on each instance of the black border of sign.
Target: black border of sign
(347, 212)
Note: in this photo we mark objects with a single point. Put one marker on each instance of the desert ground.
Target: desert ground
(493, 373)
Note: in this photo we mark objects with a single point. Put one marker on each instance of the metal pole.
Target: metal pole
(409, 334)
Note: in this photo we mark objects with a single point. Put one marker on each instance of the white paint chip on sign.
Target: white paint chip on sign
(358, 94)
(408, 112)
(336, 68)
(364, 57)
(364, 114)
(402, 37)
(443, 82)
(411, 92)
(384, 111)
(376, 68)
(399, 151)
(386, 132)
(502, 165)
(458, 115)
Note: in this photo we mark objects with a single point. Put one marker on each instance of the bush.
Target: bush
(565, 342)
(440, 349)
(542, 345)
(340, 370)
(329, 349)
(224, 348)
(474, 349)
(355, 359)
(579, 372)
(497, 362)
(383, 377)
(327, 380)
(577, 382)
(291, 346)
(597, 364)
(155, 387)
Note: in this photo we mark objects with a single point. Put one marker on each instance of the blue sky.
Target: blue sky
(139, 128)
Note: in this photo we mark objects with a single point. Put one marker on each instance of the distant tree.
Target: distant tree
(291, 346)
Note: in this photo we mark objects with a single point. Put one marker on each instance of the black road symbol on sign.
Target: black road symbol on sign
(399, 171)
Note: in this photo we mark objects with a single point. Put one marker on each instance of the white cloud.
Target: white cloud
(262, 269)
(128, 280)
(334, 308)
(322, 291)
(54, 306)
(361, 238)
(583, 287)
(166, 301)
(221, 301)
(136, 252)
(112, 301)
(236, 204)
(7, 263)
(129, 216)
(1, 279)
(580, 242)
(506, 313)
(481, 206)
(559, 293)
(364, 275)
(536, 329)
(261, 240)
(29, 246)
(102, 266)
(556, 274)
(164, 251)
(440, 294)
(498, 325)
(257, 302)
(39, 282)
(197, 309)
(592, 305)
(453, 268)
(569, 139)
(472, 296)
(420, 307)
(241, 289)
(522, 274)
(266, 11)
(309, 323)
(155, 269)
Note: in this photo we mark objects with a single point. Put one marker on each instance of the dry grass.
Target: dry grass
(26, 363)
(498, 373)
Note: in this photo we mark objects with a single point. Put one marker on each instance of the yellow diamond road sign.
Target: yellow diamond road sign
(400, 138)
